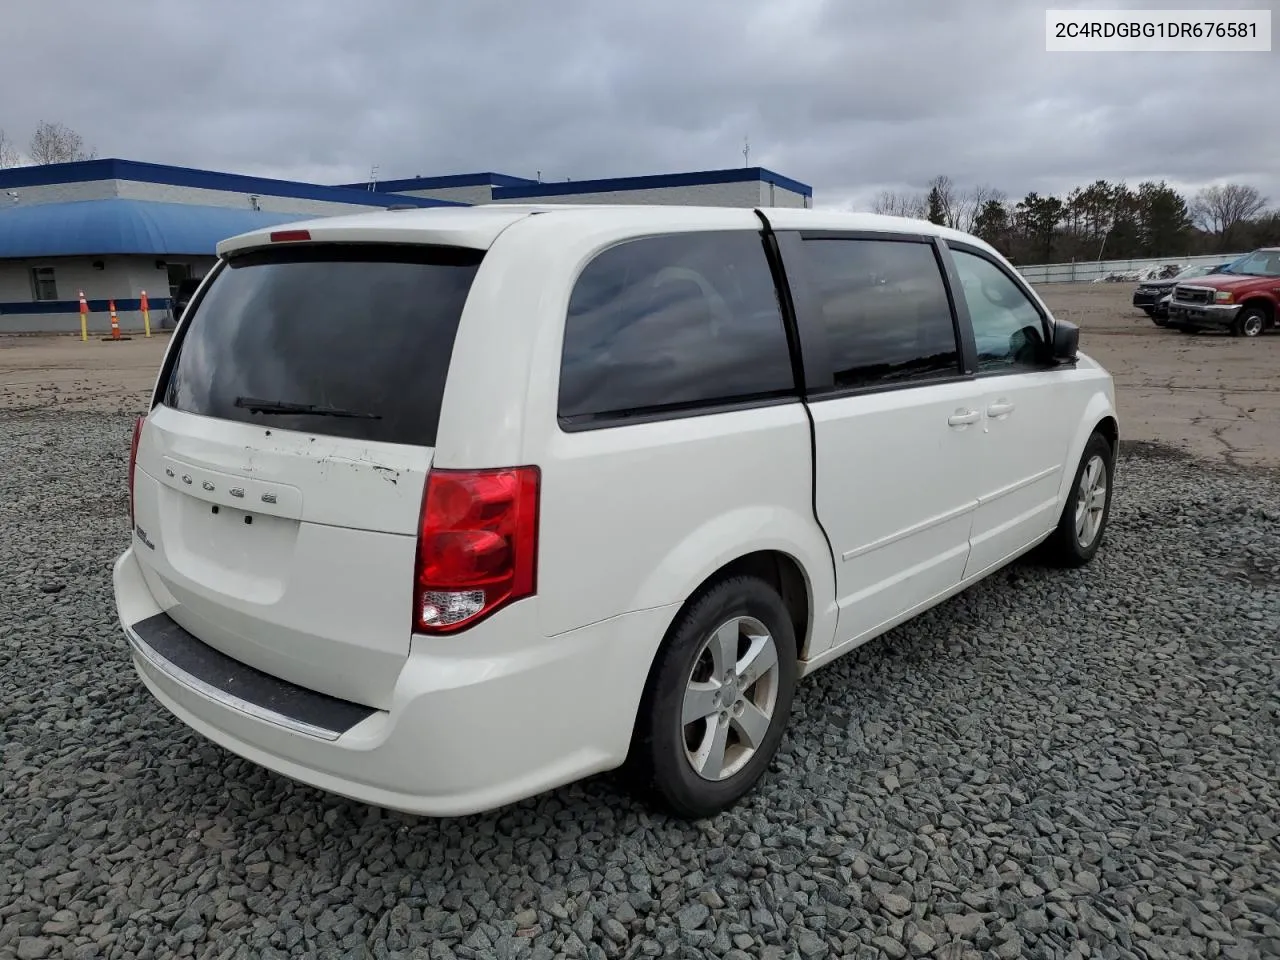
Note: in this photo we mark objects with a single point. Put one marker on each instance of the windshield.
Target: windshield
(1194, 271)
(349, 341)
(1263, 263)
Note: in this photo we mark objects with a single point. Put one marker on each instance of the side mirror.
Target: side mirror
(1066, 341)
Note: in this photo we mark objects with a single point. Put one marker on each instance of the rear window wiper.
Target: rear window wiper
(254, 405)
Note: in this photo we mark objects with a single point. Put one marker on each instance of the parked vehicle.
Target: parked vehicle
(186, 290)
(1243, 297)
(181, 296)
(1152, 296)
(441, 509)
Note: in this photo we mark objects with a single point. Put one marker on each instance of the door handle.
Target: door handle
(1000, 408)
(962, 418)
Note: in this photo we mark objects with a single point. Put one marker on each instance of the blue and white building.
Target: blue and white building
(736, 187)
(115, 228)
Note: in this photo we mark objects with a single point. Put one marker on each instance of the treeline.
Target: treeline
(50, 143)
(1101, 221)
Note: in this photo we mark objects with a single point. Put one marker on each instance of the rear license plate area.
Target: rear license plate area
(228, 549)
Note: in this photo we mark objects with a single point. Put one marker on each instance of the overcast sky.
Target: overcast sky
(851, 96)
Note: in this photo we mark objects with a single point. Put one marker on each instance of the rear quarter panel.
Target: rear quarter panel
(637, 517)
(632, 517)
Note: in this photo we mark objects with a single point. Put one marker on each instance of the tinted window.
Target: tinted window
(366, 331)
(1006, 325)
(885, 308)
(678, 320)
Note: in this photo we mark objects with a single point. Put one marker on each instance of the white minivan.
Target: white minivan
(440, 509)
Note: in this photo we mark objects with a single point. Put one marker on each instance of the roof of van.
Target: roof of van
(479, 226)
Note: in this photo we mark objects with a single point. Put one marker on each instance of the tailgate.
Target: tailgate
(279, 479)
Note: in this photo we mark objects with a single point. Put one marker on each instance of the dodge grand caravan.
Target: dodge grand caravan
(440, 509)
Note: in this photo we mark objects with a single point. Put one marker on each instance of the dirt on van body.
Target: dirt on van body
(1205, 395)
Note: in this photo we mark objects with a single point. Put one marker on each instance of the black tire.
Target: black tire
(1250, 322)
(1159, 321)
(1064, 547)
(659, 765)
(1149, 311)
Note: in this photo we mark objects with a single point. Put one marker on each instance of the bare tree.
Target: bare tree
(8, 154)
(947, 198)
(895, 204)
(1219, 210)
(971, 203)
(57, 143)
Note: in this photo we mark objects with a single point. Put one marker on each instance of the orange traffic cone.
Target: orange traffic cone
(115, 323)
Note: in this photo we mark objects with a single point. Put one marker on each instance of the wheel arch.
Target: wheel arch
(777, 567)
(1109, 427)
(777, 539)
(781, 571)
(1100, 417)
(1266, 304)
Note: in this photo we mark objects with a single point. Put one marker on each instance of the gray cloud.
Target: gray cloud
(852, 97)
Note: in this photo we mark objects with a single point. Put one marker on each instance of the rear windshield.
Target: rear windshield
(349, 341)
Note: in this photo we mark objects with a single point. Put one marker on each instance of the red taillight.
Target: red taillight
(133, 459)
(477, 546)
(289, 236)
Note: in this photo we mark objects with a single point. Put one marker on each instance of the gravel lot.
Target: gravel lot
(1083, 764)
(1051, 765)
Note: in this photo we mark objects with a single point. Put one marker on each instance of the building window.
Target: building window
(43, 286)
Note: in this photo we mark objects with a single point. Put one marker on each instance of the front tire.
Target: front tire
(1083, 522)
(1250, 322)
(717, 701)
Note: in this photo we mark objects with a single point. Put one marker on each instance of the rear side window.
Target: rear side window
(885, 309)
(348, 341)
(673, 322)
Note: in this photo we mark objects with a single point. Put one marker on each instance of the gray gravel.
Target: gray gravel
(1083, 764)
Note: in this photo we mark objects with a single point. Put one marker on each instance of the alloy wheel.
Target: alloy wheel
(730, 698)
(1091, 501)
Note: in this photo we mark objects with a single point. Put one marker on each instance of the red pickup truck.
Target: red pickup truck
(1243, 297)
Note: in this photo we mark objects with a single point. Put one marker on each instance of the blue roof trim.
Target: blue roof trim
(114, 169)
(656, 181)
(123, 227)
(486, 179)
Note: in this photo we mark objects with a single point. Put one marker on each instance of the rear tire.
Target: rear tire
(717, 701)
(1083, 522)
(1251, 322)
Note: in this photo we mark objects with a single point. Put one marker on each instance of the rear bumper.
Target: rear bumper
(1204, 315)
(477, 720)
